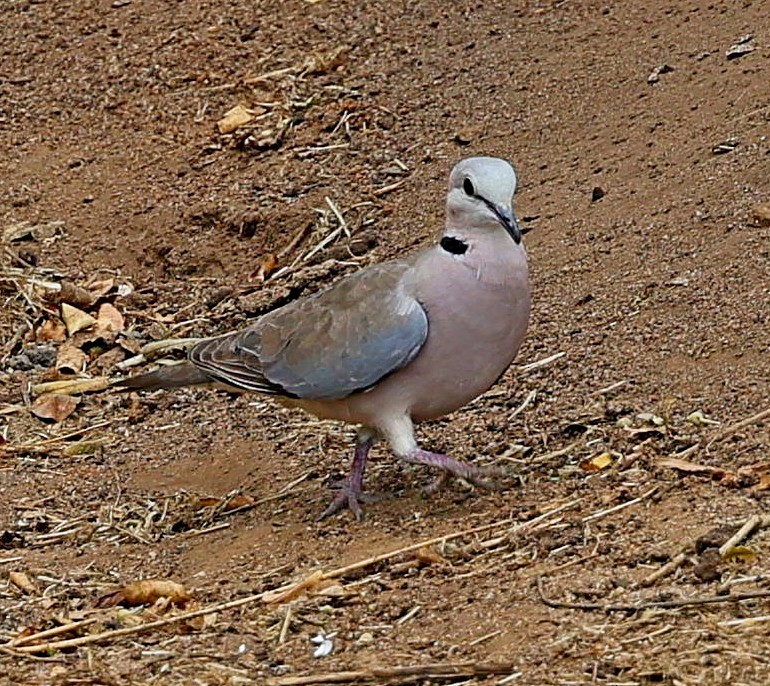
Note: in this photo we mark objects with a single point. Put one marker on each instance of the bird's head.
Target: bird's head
(481, 195)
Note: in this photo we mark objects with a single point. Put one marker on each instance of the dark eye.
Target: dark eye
(468, 187)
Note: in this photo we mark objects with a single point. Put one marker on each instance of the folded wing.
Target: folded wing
(327, 346)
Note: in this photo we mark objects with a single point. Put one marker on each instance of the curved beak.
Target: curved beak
(508, 221)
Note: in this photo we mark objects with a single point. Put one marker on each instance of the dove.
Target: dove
(393, 344)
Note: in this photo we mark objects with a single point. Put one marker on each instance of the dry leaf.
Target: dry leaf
(85, 447)
(73, 387)
(74, 319)
(282, 595)
(22, 582)
(109, 322)
(691, 467)
(234, 118)
(76, 295)
(429, 556)
(101, 287)
(51, 330)
(597, 463)
(209, 620)
(54, 406)
(269, 264)
(130, 345)
(26, 230)
(740, 553)
(146, 592)
(109, 359)
(70, 360)
(333, 590)
(760, 472)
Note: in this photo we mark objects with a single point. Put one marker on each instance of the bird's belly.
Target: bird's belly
(467, 349)
(461, 363)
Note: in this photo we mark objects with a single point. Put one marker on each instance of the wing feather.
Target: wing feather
(325, 346)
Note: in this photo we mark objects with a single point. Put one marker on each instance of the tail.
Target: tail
(174, 376)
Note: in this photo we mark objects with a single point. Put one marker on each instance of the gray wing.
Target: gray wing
(325, 346)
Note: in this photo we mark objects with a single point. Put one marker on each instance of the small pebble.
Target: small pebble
(740, 48)
(365, 638)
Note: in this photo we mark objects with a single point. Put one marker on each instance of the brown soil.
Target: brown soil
(108, 114)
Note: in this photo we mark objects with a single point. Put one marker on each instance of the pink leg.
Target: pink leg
(450, 466)
(352, 492)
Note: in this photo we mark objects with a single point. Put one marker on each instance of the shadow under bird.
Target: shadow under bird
(396, 343)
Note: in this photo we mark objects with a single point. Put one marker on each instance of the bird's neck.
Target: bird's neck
(492, 237)
(491, 253)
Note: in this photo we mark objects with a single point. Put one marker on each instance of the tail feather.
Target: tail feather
(184, 374)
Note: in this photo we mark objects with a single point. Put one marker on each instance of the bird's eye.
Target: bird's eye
(468, 187)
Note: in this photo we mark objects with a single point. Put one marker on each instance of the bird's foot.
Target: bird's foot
(351, 493)
(352, 499)
(452, 467)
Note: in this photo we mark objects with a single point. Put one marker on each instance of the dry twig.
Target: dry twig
(37, 445)
(603, 513)
(752, 524)
(541, 363)
(637, 607)
(56, 631)
(669, 568)
(445, 670)
(725, 433)
(730, 430)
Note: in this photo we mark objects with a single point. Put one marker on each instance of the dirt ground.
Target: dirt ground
(643, 154)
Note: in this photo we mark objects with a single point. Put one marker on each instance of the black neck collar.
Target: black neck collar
(455, 246)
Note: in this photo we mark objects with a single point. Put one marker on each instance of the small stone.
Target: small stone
(740, 48)
(35, 356)
(715, 538)
(462, 138)
(761, 214)
(707, 568)
(654, 76)
(725, 146)
(365, 638)
(597, 194)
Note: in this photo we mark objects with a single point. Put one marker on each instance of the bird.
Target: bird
(396, 343)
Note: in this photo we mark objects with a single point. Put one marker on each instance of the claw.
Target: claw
(345, 499)
(451, 467)
(351, 493)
